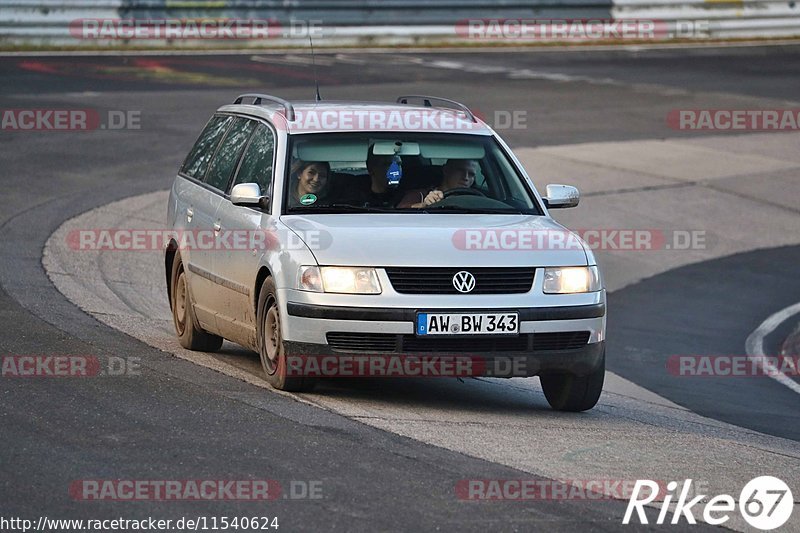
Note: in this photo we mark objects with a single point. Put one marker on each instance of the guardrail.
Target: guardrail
(719, 18)
(364, 22)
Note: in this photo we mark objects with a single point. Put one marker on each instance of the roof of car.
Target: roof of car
(341, 116)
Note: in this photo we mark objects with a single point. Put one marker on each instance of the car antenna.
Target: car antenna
(314, 63)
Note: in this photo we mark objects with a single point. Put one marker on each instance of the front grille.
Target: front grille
(416, 280)
(389, 343)
(362, 342)
(415, 344)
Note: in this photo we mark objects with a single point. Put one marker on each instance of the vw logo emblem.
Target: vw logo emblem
(464, 281)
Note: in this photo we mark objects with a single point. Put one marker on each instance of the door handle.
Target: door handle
(217, 227)
(189, 214)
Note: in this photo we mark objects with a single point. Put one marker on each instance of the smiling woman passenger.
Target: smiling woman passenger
(310, 182)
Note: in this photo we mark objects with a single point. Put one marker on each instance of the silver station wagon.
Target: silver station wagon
(407, 231)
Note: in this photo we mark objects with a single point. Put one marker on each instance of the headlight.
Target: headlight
(347, 280)
(571, 280)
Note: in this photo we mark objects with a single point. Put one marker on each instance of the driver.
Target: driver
(456, 174)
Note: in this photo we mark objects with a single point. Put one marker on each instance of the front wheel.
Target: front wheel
(271, 345)
(569, 392)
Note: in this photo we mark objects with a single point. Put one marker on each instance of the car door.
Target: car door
(194, 218)
(240, 264)
(217, 179)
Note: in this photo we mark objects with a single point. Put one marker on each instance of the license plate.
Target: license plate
(506, 323)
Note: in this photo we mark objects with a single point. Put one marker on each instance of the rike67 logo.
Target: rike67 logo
(765, 502)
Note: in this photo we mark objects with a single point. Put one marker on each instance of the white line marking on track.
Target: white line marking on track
(754, 345)
(293, 60)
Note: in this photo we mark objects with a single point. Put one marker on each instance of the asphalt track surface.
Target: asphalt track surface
(181, 421)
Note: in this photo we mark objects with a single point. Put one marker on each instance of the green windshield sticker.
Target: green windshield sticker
(308, 199)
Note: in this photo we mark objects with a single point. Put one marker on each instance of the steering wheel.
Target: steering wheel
(463, 191)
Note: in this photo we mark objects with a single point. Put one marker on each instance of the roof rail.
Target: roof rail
(257, 98)
(426, 101)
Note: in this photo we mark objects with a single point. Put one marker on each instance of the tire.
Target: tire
(270, 343)
(190, 335)
(569, 392)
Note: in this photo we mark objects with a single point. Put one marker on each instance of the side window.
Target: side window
(224, 163)
(197, 161)
(257, 161)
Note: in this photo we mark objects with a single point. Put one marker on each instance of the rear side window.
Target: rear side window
(257, 161)
(197, 161)
(224, 163)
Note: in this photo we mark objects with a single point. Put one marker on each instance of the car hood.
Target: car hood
(437, 240)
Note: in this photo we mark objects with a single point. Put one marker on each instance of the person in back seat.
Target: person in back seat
(456, 174)
(372, 189)
(377, 168)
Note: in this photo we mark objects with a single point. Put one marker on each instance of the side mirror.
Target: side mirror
(561, 196)
(248, 194)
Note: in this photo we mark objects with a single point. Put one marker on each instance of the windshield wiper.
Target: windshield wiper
(492, 210)
(349, 208)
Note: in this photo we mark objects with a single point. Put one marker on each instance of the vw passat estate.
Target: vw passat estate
(379, 230)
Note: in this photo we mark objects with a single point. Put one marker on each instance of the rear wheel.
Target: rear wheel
(271, 345)
(569, 392)
(190, 335)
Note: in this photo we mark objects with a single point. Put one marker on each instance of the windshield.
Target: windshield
(403, 173)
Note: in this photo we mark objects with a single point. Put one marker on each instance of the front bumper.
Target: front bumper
(579, 361)
(551, 339)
